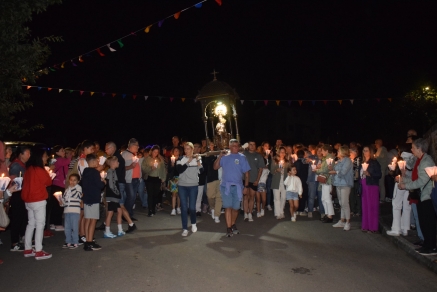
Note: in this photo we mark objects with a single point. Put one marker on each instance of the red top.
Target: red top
(35, 182)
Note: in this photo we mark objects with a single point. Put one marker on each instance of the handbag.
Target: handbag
(322, 179)
(414, 195)
(4, 219)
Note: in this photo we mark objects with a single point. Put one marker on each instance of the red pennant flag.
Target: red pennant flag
(389, 99)
(183, 99)
(378, 99)
(100, 53)
(277, 102)
(114, 94)
(28, 87)
(81, 92)
(134, 96)
(266, 102)
(80, 59)
(340, 101)
(171, 99)
(176, 15)
(300, 102)
(48, 89)
(219, 2)
(325, 102)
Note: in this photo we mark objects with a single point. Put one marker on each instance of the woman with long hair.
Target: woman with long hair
(262, 185)
(173, 176)
(153, 169)
(370, 190)
(325, 182)
(34, 194)
(279, 163)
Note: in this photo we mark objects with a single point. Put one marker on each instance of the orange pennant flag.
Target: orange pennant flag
(113, 95)
(177, 14)
(62, 65)
(91, 93)
(28, 87)
(277, 102)
(340, 101)
(80, 58)
(147, 29)
(389, 99)
(300, 102)
(48, 89)
(100, 53)
(183, 99)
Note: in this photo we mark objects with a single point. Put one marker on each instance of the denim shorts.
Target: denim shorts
(231, 200)
(261, 187)
(292, 196)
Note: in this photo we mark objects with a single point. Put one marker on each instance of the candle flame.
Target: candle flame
(3, 174)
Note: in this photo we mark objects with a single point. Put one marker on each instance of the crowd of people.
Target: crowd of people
(69, 189)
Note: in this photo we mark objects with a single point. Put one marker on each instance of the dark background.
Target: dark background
(266, 50)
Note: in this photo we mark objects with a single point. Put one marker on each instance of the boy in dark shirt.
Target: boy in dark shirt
(92, 185)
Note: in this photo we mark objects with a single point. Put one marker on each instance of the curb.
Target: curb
(405, 245)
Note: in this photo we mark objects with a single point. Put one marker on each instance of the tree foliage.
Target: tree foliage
(21, 59)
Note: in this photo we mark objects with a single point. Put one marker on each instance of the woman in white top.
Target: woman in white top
(294, 191)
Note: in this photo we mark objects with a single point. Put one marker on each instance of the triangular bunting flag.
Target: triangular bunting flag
(91, 93)
(74, 64)
(289, 102)
(114, 94)
(63, 65)
(198, 5)
(378, 99)
(277, 102)
(147, 29)
(111, 49)
(183, 99)
(177, 14)
(171, 99)
(133, 33)
(340, 101)
(146, 97)
(100, 53)
(49, 88)
(325, 102)
(120, 44)
(39, 88)
(71, 91)
(134, 96)
(28, 87)
(51, 69)
(60, 89)
(80, 59)
(389, 99)
(266, 102)
(219, 2)
(254, 101)
(313, 102)
(352, 101)
(81, 92)
(242, 101)
(300, 102)
(123, 95)
(160, 23)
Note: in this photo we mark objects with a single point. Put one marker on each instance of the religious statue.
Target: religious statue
(221, 137)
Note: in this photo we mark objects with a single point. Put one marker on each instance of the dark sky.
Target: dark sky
(266, 50)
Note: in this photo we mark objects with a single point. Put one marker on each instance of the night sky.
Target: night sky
(266, 50)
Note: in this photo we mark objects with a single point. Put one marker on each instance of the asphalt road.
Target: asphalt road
(268, 255)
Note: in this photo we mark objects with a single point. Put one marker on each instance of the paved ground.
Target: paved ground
(268, 255)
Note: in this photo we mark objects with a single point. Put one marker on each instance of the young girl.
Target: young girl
(72, 198)
(293, 191)
(113, 197)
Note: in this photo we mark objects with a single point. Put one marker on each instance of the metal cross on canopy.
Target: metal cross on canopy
(215, 73)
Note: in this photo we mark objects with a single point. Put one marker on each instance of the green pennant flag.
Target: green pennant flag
(254, 101)
(120, 43)
(70, 91)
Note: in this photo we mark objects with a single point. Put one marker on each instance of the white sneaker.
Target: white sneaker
(185, 232)
(216, 220)
(269, 208)
(246, 216)
(173, 212)
(52, 226)
(258, 215)
(339, 224)
(193, 228)
(393, 233)
(293, 219)
(310, 214)
(404, 233)
(178, 211)
(302, 213)
(250, 217)
(212, 213)
(347, 226)
(262, 212)
(294, 216)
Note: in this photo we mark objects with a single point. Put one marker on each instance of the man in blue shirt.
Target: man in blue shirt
(234, 165)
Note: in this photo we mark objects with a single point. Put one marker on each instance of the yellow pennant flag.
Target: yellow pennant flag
(277, 102)
(389, 99)
(92, 92)
(183, 99)
(340, 101)
(147, 29)
(62, 65)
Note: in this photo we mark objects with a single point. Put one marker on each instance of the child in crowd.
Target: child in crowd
(113, 197)
(72, 199)
(293, 191)
(92, 185)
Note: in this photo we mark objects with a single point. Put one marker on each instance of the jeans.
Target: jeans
(188, 193)
(36, 213)
(142, 193)
(312, 191)
(343, 194)
(71, 228)
(268, 190)
(416, 219)
(131, 195)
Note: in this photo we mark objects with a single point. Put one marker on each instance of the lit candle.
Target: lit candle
(172, 159)
(155, 164)
(103, 174)
(4, 181)
(267, 152)
(20, 173)
(399, 179)
(329, 160)
(135, 159)
(281, 164)
(401, 165)
(365, 165)
(314, 162)
(58, 196)
(102, 160)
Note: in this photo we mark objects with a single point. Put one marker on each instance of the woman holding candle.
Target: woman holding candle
(325, 181)
(153, 170)
(173, 176)
(277, 167)
(370, 172)
(188, 167)
(343, 180)
(421, 182)
(34, 194)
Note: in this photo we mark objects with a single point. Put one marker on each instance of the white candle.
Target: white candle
(314, 162)
(329, 160)
(399, 179)
(58, 196)
(103, 174)
(267, 152)
(155, 164)
(172, 159)
(401, 165)
(102, 160)
(365, 165)
(281, 164)
(4, 181)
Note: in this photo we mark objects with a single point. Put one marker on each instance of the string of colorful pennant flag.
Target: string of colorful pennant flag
(110, 45)
(146, 97)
